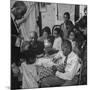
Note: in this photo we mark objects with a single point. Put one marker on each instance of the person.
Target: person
(46, 33)
(82, 24)
(58, 40)
(72, 39)
(69, 62)
(79, 36)
(84, 68)
(17, 12)
(29, 20)
(35, 46)
(30, 51)
(67, 25)
(47, 39)
(28, 71)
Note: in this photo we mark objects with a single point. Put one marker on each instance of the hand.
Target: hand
(54, 60)
(54, 68)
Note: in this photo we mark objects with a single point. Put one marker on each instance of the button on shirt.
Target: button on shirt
(71, 68)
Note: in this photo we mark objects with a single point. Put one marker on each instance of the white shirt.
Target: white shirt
(30, 77)
(72, 66)
(57, 43)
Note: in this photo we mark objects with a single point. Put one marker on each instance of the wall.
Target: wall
(62, 8)
(48, 17)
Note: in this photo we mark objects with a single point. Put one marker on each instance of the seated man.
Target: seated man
(69, 63)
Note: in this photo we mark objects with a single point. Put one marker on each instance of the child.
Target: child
(46, 34)
(71, 38)
(58, 40)
(28, 71)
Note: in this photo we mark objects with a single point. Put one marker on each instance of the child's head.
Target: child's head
(28, 57)
(19, 9)
(46, 32)
(71, 35)
(56, 32)
(66, 47)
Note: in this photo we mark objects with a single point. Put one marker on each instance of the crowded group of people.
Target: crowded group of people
(53, 59)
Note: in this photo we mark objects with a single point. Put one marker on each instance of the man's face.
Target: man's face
(32, 38)
(17, 13)
(66, 18)
(65, 49)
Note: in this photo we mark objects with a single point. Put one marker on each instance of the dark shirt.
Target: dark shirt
(15, 51)
(33, 50)
(66, 27)
(37, 49)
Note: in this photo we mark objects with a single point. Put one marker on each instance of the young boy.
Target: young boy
(28, 72)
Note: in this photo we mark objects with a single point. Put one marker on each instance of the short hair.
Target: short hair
(67, 44)
(71, 31)
(20, 5)
(47, 29)
(57, 30)
(68, 14)
(28, 56)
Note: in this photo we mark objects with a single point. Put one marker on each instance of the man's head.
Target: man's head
(19, 9)
(66, 16)
(33, 37)
(66, 47)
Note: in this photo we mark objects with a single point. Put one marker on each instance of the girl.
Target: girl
(72, 39)
(58, 40)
